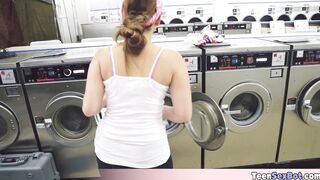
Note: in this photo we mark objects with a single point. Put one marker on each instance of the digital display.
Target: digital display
(262, 59)
(51, 73)
(80, 71)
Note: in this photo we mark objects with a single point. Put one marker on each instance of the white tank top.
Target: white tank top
(132, 132)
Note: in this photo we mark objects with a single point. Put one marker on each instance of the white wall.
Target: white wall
(70, 14)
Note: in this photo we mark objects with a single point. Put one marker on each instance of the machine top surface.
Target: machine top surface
(37, 48)
(185, 48)
(9, 63)
(247, 45)
(59, 57)
(298, 42)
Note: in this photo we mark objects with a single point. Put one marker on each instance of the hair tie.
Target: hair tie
(152, 20)
(156, 16)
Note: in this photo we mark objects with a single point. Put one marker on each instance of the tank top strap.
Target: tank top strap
(155, 63)
(112, 61)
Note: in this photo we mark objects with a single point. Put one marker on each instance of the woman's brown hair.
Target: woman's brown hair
(136, 12)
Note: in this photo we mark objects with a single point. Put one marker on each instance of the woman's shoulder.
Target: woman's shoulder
(170, 55)
(102, 53)
(105, 51)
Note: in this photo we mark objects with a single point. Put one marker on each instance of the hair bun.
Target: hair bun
(132, 31)
(135, 15)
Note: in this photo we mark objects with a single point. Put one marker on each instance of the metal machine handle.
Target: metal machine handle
(48, 122)
(219, 131)
(225, 109)
(17, 162)
(307, 110)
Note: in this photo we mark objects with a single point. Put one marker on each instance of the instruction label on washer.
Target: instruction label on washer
(7, 76)
(192, 63)
(278, 58)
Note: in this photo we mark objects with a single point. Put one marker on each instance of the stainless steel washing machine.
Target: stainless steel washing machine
(236, 28)
(207, 127)
(216, 27)
(247, 79)
(55, 87)
(301, 126)
(177, 30)
(16, 130)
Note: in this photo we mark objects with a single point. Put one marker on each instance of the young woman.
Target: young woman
(131, 79)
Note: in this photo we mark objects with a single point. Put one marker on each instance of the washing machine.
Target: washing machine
(177, 30)
(16, 130)
(173, 14)
(301, 124)
(55, 87)
(237, 28)
(216, 27)
(199, 13)
(207, 127)
(247, 79)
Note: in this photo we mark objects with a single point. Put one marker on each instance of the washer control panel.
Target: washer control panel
(306, 57)
(55, 73)
(245, 61)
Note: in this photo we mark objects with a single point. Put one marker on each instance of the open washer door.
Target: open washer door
(66, 122)
(207, 126)
(9, 128)
(309, 103)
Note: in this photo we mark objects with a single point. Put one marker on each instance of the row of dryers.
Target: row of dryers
(239, 95)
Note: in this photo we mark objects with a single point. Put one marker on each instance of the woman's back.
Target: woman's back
(133, 77)
(134, 113)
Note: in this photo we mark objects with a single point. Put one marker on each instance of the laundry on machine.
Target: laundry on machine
(247, 79)
(301, 123)
(207, 127)
(16, 130)
(55, 87)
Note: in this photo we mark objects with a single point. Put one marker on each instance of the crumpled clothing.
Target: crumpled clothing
(208, 36)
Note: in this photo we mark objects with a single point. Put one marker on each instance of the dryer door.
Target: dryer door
(207, 125)
(67, 123)
(309, 103)
(9, 128)
(244, 105)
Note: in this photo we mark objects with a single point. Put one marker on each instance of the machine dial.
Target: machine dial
(67, 72)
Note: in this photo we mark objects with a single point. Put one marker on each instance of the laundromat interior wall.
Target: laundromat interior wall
(24, 21)
(75, 15)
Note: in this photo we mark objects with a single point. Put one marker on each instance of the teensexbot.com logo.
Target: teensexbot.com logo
(285, 176)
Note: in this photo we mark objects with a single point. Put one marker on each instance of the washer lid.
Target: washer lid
(207, 126)
(309, 103)
(9, 128)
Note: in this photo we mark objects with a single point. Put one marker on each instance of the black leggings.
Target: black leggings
(103, 165)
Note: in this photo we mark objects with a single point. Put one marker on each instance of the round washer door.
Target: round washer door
(244, 106)
(207, 126)
(9, 128)
(309, 103)
(69, 126)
